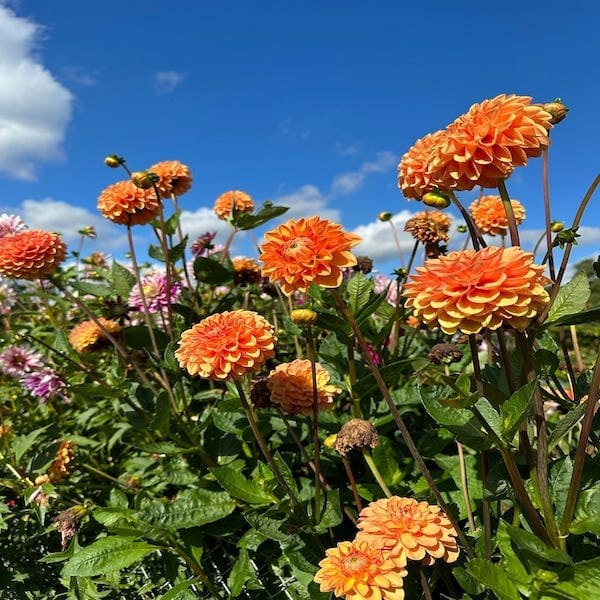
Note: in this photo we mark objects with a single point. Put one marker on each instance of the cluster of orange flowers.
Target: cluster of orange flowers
(31, 254)
(391, 532)
(478, 148)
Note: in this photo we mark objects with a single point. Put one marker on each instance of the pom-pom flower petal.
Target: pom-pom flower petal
(174, 178)
(126, 204)
(31, 254)
(87, 336)
(234, 199)
(489, 214)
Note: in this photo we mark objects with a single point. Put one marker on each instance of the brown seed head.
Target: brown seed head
(356, 434)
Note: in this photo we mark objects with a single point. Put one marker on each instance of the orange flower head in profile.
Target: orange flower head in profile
(174, 178)
(471, 290)
(305, 251)
(428, 226)
(291, 387)
(490, 216)
(234, 199)
(414, 178)
(488, 142)
(31, 254)
(226, 345)
(126, 204)
(247, 271)
(63, 462)
(358, 571)
(418, 529)
(88, 336)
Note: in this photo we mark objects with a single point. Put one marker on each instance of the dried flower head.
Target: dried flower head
(67, 524)
(260, 396)
(305, 251)
(126, 204)
(291, 387)
(226, 345)
(44, 384)
(445, 354)
(157, 293)
(10, 224)
(236, 200)
(16, 361)
(364, 264)
(470, 290)
(62, 464)
(247, 271)
(489, 214)
(31, 254)
(174, 178)
(426, 229)
(88, 336)
(354, 435)
(488, 142)
(420, 530)
(357, 571)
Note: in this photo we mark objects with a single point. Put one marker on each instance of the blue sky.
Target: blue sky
(306, 103)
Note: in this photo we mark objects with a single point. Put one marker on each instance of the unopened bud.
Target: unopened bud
(436, 200)
(303, 316)
(88, 231)
(113, 161)
(462, 229)
(384, 216)
(557, 109)
(557, 226)
(142, 180)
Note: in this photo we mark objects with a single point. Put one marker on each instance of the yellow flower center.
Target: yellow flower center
(354, 563)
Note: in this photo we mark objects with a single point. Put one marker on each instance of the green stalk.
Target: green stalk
(510, 215)
(310, 344)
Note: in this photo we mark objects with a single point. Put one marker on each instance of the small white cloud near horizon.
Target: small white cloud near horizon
(166, 81)
(34, 107)
(349, 182)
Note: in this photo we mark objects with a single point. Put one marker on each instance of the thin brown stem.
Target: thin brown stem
(180, 236)
(310, 344)
(548, 232)
(352, 481)
(477, 239)
(510, 215)
(424, 584)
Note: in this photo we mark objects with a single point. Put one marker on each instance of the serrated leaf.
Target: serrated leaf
(585, 582)
(571, 298)
(175, 591)
(268, 526)
(240, 573)
(93, 289)
(358, 291)
(172, 221)
(106, 555)
(515, 410)
(332, 515)
(493, 577)
(561, 472)
(123, 279)
(267, 212)
(585, 316)
(240, 487)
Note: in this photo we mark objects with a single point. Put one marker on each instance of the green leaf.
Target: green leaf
(386, 461)
(21, 444)
(241, 572)
(560, 481)
(192, 508)
(359, 289)
(532, 545)
(122, 279)
(512, 563)
(106, 555)
(586, 316)
(565, 425)
(172, 221)
(584, 584)
(493, 577)
(571, 298)
(211, 271)
(240, 487)
(271, 528)
(515, 410)
(332, 516)
(587, 512)
(174, 592)
(93, 289)
(156, 252)
(138, 338)
(176, 252)
(546, 362)
(267, 212)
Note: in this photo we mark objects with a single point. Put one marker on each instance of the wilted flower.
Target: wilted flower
(418, 529)
(445, 354)
(470, 290)
(291, 387)
(260, 396)
(43, 384)
(31, 254)
(357, 571)
(247, 271)
(236, 200)
(8, 298)
(305, 251)
(226, 345)
(16, 361)
(155, 290)
(126, 204)
(356, 434)
(174, 178)
(203, 243)
(10, 224)
(364, 264)
(489, 214)
(87, 336)
(428, 227)
(67, 523)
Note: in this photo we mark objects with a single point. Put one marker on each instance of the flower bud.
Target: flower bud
(436, 200)
(88, 231)
(113, 161)
(557, 109)
(556, 226)
(141, 179)
(462, 229)
(303, 316)
(384, 216)
(329, 441)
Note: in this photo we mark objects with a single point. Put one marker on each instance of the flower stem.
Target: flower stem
(180, 235)
(464, 485)
(376, 473)
(310, 344)
(548, 232)
(352, 481)
(510, 215)
(477, 239)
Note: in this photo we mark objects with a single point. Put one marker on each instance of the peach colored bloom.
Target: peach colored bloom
(226, 345)
(440, 218)
(31, 254)
(234, 199)
(126, 204)
(175, 178)
(490, 217)
(63, 462)
(305, 251)
(414, 177)
(87, 336)
(470, 290)
(488, 142)
(246, 270)
(421, 530)
(291, 387)
(357, 571)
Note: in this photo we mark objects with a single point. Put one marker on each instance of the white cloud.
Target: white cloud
(202, 220)
(305, 202)
(34, 107)
(349, 182)
(347, 149)
(166, 81)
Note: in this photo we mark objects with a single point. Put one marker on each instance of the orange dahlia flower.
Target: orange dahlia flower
(414, 177)
(490, 216)
(226, 345)
(234, 199)
(469, 290)
(63, 462)
(87, 336)
(357, 571)
(31, 254)
(305, 251)
(291, 387)
(420, 530)
(126, 204)
(488, 142)
(175, 178)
